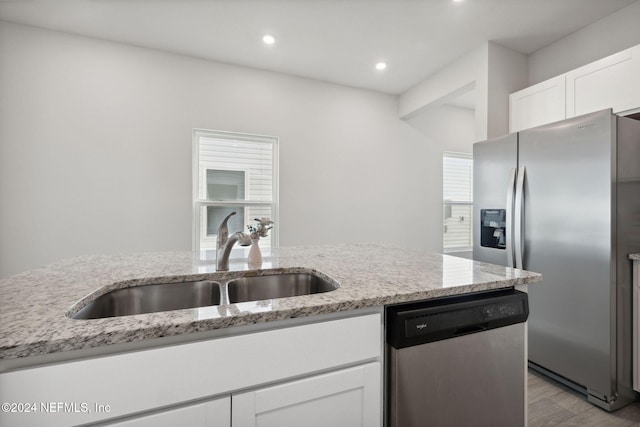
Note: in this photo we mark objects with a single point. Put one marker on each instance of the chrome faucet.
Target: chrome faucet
(224, 243)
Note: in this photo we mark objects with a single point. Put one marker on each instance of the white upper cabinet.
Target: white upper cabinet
(537, 105)
(612, 82)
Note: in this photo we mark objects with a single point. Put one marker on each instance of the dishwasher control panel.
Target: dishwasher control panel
(449, 317)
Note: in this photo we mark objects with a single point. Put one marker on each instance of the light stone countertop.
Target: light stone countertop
(635, 257)
(34, 304)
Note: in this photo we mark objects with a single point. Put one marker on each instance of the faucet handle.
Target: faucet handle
(244, 239)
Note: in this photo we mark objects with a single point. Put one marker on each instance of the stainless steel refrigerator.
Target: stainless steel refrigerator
(564, 200)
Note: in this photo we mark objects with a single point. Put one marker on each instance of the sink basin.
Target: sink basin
(176, 296)
(276, 286)
(152, 298)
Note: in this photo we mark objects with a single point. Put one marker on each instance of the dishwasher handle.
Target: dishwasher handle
(465, 330)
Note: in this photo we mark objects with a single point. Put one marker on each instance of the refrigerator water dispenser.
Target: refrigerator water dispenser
(492, 228)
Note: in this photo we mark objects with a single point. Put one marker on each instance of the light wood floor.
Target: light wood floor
(553, 404)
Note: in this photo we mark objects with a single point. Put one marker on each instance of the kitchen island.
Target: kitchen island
(245, 347)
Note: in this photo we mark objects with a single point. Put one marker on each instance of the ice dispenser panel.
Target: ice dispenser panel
(492, 228)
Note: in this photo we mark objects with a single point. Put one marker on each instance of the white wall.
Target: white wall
(507, 72)
(467, 72)
(492, 70)
(450, 128)
(95, 151)
(450, 81)
(607, 36)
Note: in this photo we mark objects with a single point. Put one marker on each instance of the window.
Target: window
(457, 178)
(233, 172)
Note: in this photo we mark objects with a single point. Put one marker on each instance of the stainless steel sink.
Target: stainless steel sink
(176, 296)
(152, 298)
(276, 286)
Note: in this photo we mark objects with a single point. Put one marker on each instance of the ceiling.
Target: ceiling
(337, 41)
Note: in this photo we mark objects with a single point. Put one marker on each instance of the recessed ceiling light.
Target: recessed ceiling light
(381, 66)
(458, 1)
(268, 39)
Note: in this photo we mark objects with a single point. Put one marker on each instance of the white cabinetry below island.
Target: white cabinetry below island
(332, 362)
(345, 398)
(215, 413)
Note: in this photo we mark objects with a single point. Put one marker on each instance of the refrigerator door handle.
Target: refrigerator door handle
(519, 218)
(509, 218)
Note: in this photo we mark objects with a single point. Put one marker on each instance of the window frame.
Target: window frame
(204, 237)
(199, 220)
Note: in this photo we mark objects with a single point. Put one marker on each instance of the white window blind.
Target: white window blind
(233, 173)
(457, 178)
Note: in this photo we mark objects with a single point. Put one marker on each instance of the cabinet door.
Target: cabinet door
(346, 398)
(611, 82)
(216, 413)
(537, 105)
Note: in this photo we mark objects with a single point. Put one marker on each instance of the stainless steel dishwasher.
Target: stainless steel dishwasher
(457, 361)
